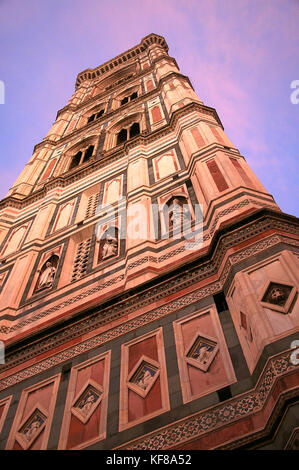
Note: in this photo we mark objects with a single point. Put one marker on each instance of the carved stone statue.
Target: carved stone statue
(179, 214)
(32, 429)
(145, 379)
(47, 276)
(110, 247)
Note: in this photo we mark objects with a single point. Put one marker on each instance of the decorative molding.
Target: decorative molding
(229, 240)
(147, 41)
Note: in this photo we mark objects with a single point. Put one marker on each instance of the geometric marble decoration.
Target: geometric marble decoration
(80, 263)
(31, 427)
(143, 376)
(278, 296)
(87, 400)
(201, 351)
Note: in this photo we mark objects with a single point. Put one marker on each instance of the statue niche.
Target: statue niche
(47, 274)
(178, 215)
(108, 244)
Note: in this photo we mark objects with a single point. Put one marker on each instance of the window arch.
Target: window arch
(127, 96)
(88, 153)
(124, 100)
(97, 115)
(122, 136)
(128, 133)
(75, 160)
(108, 244)
(81, 157)
(125, 128)
(134, 130)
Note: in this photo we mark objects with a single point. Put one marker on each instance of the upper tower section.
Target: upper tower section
(133, 94)
(137, 54)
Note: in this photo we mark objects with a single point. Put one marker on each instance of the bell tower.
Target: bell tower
(148, 280)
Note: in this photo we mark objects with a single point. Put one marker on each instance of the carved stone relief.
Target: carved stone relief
(87, 401)
(202, 352)
(278, 296)
(31, 428)
(108, 244)
(143, 376)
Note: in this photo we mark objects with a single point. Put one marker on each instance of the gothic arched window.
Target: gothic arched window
(121, 136)
(128, 98)
(81, 157)
(134, 129)
(76, 160)
(88, 153)
(95, 116)
(99, 114)
(124, 100)
(108, 244)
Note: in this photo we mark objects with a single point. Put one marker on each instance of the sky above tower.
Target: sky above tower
(242, 57)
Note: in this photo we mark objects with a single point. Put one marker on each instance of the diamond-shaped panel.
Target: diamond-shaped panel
(87, 401)
(31, 428)
(202, 352)
(143, 376)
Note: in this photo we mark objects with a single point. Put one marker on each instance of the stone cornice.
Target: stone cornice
(147, 41)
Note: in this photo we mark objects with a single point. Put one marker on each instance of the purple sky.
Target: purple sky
(241, 57)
